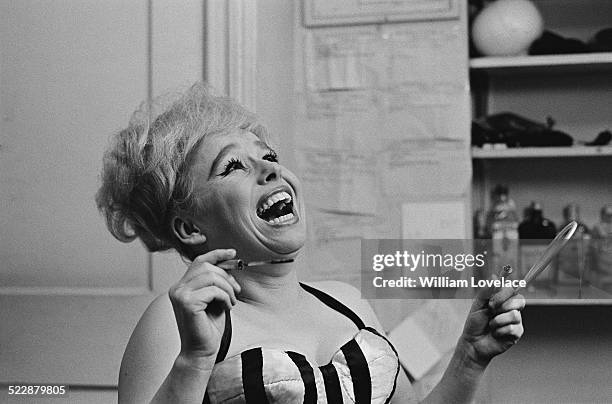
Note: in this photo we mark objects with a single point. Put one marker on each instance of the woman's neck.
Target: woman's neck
(270, 287)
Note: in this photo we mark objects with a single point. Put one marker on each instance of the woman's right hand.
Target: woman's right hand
(199, 300)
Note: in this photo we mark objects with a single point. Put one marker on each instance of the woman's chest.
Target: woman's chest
(317, 335)
(362, 370)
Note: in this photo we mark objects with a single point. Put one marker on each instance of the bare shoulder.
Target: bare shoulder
(350, 296)
(150, 352)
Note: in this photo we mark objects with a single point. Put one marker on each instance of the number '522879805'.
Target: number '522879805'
(39, 390)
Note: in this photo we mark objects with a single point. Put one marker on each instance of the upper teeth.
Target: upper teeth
(279, 196)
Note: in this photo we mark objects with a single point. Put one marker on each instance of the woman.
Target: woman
(201, 179)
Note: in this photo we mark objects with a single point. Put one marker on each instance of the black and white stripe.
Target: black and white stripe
(252, 376)
(346, 378)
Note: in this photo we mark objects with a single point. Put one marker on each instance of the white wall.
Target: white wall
(71, 73)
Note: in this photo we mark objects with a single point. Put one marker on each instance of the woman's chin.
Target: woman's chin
(285, 250)
(288, 242)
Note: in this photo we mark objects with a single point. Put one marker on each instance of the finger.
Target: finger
(185, 300)
(481, 300)
(208, 267)
(225, 268)
(230, 278)
(218, 255)
(512, 331)
(516, 302)
(498, 298)
(211, 257)
(209, 279)
(510, 317)
(203, 298)
(205, 261)
(231, 265)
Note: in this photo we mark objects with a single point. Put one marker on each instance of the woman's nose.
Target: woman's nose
(269, 172)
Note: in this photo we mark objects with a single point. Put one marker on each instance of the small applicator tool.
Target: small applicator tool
(240, 264)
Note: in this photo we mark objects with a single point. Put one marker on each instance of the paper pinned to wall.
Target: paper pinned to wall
(434, 220)
(328, 225)
(425, 110)
(423, 338)
(382, 117)
(440, 167)
(382, 56)
(416, 352)
(443, 321)
(342, 58)
(348, 120)
(339, 180)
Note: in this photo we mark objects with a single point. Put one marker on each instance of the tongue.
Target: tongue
(276, 210)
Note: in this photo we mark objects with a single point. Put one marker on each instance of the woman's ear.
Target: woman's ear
(187, 232)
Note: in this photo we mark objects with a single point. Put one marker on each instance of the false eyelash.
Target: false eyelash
(271, 156)
(232, 164)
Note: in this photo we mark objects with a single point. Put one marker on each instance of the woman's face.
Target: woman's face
(248, 201)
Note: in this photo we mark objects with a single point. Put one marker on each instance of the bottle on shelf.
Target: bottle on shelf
(573, 262)
(502, 226)
(535, 233)
(602, 249)
(480, 225)
(481, 241)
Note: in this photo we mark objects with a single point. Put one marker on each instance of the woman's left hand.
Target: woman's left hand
(494, 324)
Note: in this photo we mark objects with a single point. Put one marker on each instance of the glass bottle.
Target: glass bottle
(502, 225)
(536, 232)
(481, 242)
(602, 249)
(574, 259)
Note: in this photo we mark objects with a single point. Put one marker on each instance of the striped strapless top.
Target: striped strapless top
(363, 370)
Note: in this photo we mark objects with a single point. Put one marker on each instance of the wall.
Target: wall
(71, 73)
(565, 354)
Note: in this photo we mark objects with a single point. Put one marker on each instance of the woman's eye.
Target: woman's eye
(233, 164)
(271, 156)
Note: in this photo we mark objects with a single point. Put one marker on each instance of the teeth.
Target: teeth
(279, 196)
(282, 219)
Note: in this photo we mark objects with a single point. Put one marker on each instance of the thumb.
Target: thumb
(481, 300)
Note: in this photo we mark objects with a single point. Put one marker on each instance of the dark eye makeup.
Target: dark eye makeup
(271, 156)
(232, 164)
(236, 164)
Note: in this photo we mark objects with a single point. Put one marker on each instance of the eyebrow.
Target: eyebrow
(262, 144)
(227, 149)
(220, 156)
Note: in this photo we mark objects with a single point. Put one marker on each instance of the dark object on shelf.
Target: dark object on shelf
(483, 134)
(553, 43)
(602, 139)
(602, 41)
(535, 225)
(516, 131)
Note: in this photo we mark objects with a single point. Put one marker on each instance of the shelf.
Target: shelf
(538, 152)
(591, 296)
(568, 302)
(580, 61)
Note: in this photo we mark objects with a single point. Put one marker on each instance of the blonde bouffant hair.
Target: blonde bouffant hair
(146, 177)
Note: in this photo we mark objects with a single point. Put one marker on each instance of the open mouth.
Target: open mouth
(277, 208)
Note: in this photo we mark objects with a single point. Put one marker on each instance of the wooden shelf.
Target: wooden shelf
(591, 296)
(538, 152)
(580, 61)
(568, 302)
